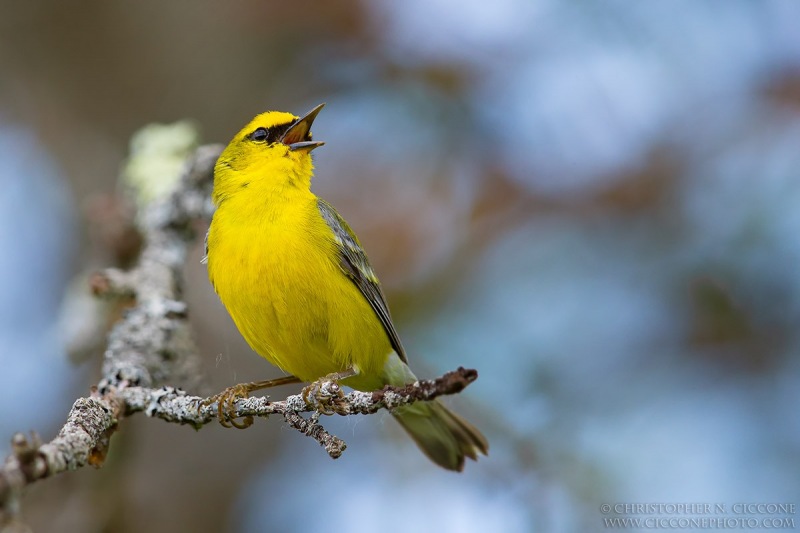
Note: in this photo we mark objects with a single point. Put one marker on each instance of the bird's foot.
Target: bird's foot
(226, 400)
(325, 394)
(226, 405)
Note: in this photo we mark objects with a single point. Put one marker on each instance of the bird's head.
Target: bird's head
(272, 146)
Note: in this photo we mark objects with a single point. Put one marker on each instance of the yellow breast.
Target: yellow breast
(276, 270)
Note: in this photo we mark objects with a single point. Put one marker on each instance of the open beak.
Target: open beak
(295, 136)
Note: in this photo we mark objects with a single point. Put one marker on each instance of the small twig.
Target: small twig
(173, 405)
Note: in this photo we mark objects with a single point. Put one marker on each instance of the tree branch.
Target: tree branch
(152, 346)
(84, 439)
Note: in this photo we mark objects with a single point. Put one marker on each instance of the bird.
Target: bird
(297, 283)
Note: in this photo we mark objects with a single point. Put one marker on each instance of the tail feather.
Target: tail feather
(442, 435)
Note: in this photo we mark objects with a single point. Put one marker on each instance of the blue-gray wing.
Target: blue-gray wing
(355, 265)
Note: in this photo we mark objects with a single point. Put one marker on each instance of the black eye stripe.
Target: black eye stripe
(277, 132)
(271, 135)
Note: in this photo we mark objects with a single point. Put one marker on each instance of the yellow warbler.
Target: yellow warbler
(298, 284)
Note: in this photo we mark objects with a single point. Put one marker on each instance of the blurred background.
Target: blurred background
(595, 205)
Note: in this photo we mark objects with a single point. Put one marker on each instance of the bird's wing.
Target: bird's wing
(355, 265)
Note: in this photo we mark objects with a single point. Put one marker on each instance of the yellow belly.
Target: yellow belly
(278, 276)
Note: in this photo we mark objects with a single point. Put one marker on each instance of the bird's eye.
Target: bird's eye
(259, 135)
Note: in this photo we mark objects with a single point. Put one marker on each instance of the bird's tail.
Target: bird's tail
(442, 435)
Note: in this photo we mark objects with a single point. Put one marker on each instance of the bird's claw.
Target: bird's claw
(226, 406)
(325, 395)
